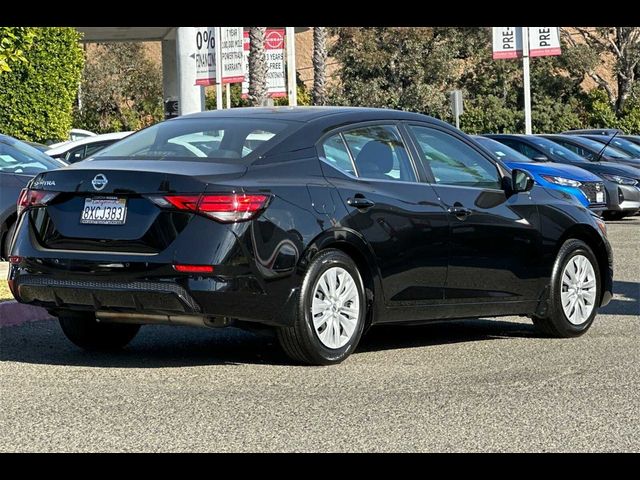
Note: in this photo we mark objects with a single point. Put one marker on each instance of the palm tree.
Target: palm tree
(319, 60)
(257, 67)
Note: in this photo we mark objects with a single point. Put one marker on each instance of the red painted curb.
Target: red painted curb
(13, 313)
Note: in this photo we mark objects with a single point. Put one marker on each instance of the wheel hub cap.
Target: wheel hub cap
(578, 292)
(335, 308)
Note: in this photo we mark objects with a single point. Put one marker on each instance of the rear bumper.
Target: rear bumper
(240, 298)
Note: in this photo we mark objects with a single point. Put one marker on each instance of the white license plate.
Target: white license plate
(104, 211)
(599, 197)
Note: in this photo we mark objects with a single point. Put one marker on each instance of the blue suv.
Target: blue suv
(586, 187)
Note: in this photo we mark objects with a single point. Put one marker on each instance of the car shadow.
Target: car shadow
(626, 299)
(389, 337)
(163, 346)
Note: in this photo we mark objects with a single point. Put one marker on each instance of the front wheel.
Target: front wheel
(331, 312)
(85, 332)
(575, 292)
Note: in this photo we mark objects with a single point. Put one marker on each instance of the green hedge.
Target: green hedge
(37, 96)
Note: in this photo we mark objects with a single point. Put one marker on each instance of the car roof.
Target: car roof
(306, 114)
(86, 141)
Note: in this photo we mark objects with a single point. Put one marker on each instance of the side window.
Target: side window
(523, 148)
(95, 147)
(453, 162)
(336, 154)
(379, 153)
(75, 155)
(576, 149)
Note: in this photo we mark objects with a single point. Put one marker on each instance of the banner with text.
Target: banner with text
(507, 42)
(232, 54)
(274, 53)
(205, 48)
(544, 41)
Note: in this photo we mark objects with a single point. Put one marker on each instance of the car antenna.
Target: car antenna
(599, 157)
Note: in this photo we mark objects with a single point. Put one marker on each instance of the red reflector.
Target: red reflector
(222, 207)
(194, 268)
(15, 260)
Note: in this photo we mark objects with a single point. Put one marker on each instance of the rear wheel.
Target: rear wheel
(575, 292)
(331, 312)
(85, 332)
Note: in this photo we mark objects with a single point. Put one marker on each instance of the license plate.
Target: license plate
(104, 211)
(599, 197)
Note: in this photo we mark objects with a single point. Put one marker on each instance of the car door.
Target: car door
(397, 215)
(494, 239)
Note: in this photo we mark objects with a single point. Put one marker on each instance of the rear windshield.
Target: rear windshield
(226, 139)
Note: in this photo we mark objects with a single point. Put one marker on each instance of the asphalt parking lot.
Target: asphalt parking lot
(481, 385)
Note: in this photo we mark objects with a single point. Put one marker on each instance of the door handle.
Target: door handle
(359, 201)
(459, 211)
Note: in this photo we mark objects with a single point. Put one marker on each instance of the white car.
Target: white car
(72, 152)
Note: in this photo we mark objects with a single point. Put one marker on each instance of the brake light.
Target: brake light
(226, 208)
(33, 198)
(193, 268)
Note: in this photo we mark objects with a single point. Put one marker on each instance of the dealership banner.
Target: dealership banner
(232, 54)
(507, 42)
(205, 52)
(274, 53)
(544, 41)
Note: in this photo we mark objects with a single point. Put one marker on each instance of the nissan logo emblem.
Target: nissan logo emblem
(99, 182)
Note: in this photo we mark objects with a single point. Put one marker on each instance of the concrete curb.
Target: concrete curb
(13, 313)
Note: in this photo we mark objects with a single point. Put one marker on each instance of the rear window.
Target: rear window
(227, 139)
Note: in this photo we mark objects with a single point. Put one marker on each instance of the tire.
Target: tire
(316, 344)
(85, 332)
(557, 323)
(6, 248)
(613, 215)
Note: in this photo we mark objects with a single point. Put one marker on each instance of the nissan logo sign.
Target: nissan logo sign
(99, 182)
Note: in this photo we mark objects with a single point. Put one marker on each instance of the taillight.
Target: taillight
(33, 198)
(226, 208)
(179, 267)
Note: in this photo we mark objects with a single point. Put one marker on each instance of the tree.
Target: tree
(15, 42)
(319, 60)
(37, 96)
(405, 68)
(257, 66)
(121, 89)
(621, 42)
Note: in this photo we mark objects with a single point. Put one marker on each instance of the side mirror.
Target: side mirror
(521, 181)
(540, 158)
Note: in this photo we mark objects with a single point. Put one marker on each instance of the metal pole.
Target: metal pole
(218, 69)
(457, 121)
(527, 84)
(291, 66)
(228, 91)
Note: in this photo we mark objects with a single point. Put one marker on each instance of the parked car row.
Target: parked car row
(618, 171)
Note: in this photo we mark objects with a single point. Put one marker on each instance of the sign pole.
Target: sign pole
(527, 82)
(291, 66)
(228, 91)
(218, 69)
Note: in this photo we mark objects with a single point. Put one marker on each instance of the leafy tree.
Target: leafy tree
(404, 68)
(621, 42)
(14, 43)
(121, 89)
(36, 96)
(237, 101)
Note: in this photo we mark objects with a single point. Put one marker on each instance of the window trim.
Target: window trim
(369, 123)
(502, 171)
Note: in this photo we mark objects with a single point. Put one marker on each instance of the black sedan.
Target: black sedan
(622, 182)
(19, 163)
(330, 220)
